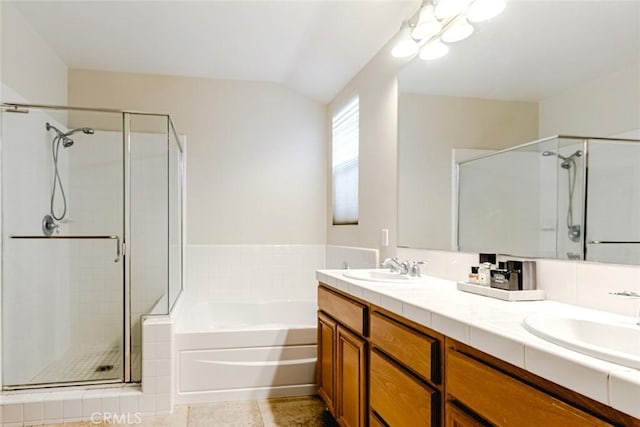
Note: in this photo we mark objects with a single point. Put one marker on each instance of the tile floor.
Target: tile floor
(292, 411)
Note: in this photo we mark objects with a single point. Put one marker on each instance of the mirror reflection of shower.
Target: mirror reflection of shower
(569, 164)
(64, 139)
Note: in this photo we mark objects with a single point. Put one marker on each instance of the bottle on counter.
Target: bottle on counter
(484, 274)
(473, 276)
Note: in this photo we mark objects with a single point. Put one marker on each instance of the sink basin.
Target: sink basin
(611, 340)
(377, 275)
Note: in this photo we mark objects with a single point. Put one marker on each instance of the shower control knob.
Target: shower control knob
(49, 225)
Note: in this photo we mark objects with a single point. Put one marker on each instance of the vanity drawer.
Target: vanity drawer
(417, 351)
(348, 312)
(398, 398)
(504, 400)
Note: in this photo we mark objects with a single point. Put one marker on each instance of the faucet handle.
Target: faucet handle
(631, 294)
(415, 268)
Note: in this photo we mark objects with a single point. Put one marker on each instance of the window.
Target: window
(346, 141)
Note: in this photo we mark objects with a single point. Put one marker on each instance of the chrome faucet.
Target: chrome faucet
(631, 294)
(415, 269)
(396, 266)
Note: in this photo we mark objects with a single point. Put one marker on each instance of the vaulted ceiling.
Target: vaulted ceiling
(312, 46)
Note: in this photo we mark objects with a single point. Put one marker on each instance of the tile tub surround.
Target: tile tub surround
(253, 272)
(256, 272)
(494, 326)
(341, 256)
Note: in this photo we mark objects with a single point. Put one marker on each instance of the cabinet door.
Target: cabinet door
(456, 417)
(350, 379)
(326, 360)
(398, 398)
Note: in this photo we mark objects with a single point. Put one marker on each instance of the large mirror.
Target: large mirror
(539, 69)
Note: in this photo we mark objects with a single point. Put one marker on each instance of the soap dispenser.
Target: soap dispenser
(487, 261)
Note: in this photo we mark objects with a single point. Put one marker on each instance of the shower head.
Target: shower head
(88, 131)
(566, 161)
(66, 141)
(578, 153)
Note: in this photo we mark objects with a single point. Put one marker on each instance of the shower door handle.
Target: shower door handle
(110, 237)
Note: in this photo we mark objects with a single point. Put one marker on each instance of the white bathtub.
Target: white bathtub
(243, 350)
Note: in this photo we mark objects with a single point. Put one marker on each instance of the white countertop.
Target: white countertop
(495, 327)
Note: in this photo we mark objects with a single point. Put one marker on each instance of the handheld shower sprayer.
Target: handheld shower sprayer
(566, 161)
(64, 138)
(569, 164)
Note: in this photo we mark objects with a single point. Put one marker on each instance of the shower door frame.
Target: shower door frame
(125, 242)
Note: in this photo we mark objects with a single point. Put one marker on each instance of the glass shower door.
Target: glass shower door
(613, 202)
(62, 230)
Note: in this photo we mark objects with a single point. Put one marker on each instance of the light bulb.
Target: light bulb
(434, 50)
(481, 10)
(460, 30)
(406, 46)
(446, 9)
(427, 25)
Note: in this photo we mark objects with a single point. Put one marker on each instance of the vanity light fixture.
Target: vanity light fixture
(459, 30)
(434, 50)
(427, 25)
(406, 45)
(439, 21)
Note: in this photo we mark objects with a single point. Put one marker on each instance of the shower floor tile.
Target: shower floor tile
(86, 365)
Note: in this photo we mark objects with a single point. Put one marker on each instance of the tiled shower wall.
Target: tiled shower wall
(95, 207)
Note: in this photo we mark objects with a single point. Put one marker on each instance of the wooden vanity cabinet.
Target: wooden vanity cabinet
(376, 368)
(483, 390)
(342, 356)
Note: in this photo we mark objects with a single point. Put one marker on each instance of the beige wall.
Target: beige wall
(377, 87)
(256, 152)
(429, 128)
(606, 106)
(31, 70)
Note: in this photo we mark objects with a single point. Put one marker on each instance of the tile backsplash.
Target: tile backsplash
(586, 284)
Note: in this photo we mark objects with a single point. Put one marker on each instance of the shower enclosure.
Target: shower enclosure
(91, 240)
(565, 197)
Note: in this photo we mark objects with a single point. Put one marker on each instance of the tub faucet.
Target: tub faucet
(631, 294)
(396, 266)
